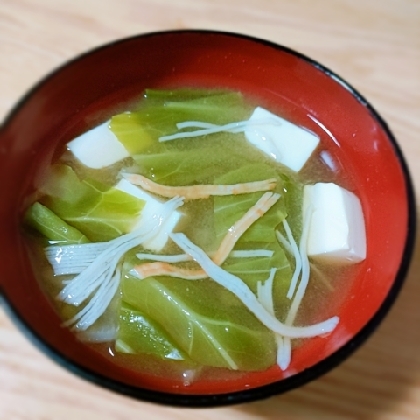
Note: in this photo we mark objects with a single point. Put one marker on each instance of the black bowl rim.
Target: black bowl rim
(275, 388)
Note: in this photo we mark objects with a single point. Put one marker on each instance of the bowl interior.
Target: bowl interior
(87, 90)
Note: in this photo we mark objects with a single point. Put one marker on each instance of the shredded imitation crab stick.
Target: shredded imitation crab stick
(100, 280)
(244, 294)
(239, 228)
(166, 269)
(195, 192)
(235, 232)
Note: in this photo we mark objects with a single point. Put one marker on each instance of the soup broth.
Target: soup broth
(161, 311)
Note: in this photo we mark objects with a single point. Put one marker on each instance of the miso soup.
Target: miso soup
(196, 235)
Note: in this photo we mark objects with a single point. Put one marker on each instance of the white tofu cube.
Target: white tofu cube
(283, 141)
(151, 207)
(337, 227)
(98, 147)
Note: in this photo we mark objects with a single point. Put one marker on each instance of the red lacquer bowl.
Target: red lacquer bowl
(86, 90)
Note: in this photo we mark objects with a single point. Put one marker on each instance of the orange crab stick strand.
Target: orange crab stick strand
(240, 227)
(195, 192)
(226, 246)
(167, 269)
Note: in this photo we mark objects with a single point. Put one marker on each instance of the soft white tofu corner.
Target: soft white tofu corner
(337, 227)
(285, 142)
(87, 146)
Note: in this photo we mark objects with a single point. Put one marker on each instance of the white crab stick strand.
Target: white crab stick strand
(265, 296)
(284, 242)
(245, 253)
(265, 292)
(208, 128)
(285, 347)
(304, 280)
(298, 260)
(104, 265)
(284, 352)
(97, 305)
(73, 259)
(205, 131)
(241, 290)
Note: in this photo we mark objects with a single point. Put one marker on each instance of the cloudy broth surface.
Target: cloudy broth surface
(185, 330)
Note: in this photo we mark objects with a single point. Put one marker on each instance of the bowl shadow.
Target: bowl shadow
(375, 379)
